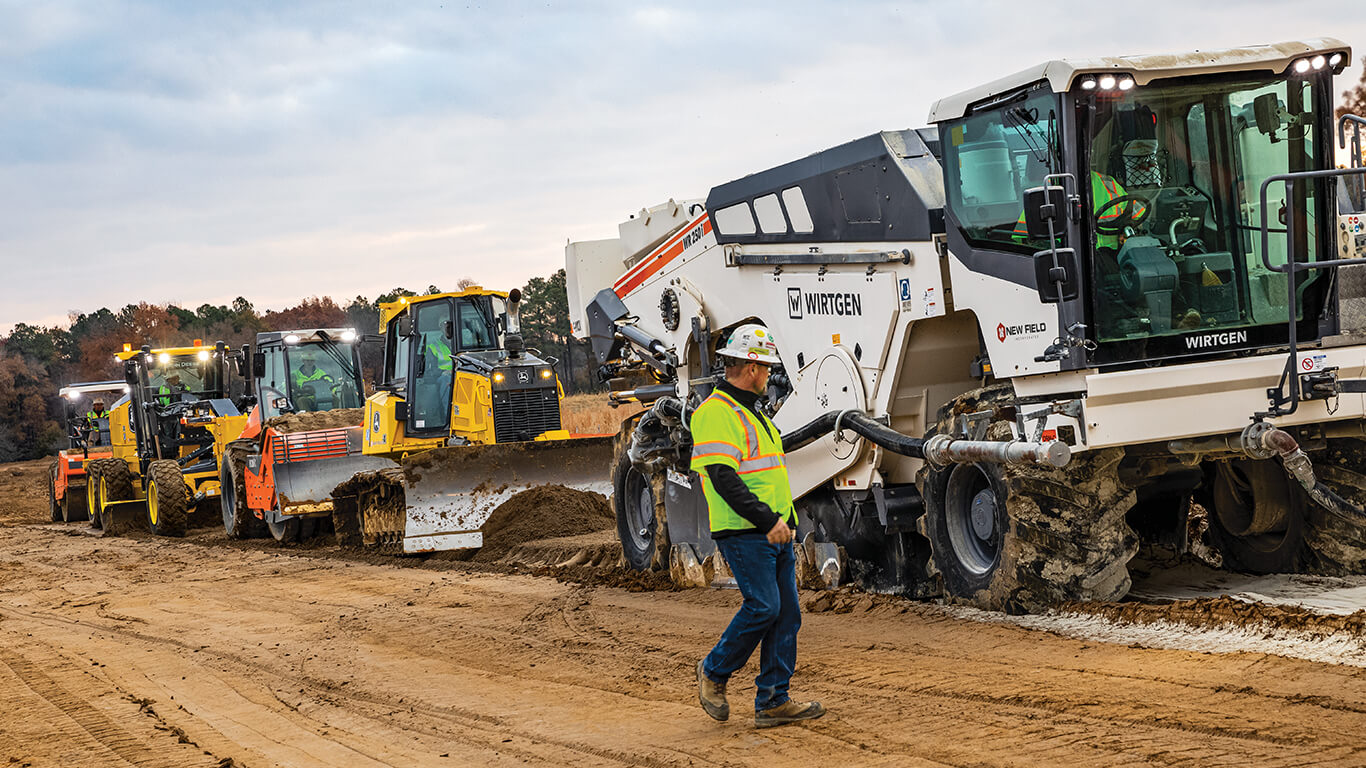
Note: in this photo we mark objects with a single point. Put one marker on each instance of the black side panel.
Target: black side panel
(879, 188)
(603, 311)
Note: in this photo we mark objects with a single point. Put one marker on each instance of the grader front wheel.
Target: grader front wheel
(167, 498)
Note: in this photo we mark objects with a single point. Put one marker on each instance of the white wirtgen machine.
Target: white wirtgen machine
(1020, 342)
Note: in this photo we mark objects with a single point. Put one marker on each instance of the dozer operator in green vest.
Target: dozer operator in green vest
(738, 454)
(310, 382)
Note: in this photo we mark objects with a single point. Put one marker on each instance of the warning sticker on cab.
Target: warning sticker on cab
(1312, 363)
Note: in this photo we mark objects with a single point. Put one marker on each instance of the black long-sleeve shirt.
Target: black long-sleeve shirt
(727, 481)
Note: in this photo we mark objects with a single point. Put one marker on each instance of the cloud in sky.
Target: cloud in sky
(194, 152)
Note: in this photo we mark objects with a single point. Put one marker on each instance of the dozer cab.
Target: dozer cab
(165, 435)
(302, 434)
(1019, 342)
(87, 435)
(468, 417)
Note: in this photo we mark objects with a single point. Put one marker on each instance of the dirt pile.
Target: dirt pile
(308, 422)
(23, 492)
(547, 511)
(1227, 611)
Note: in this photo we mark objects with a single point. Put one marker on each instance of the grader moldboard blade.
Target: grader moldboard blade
(451, 492)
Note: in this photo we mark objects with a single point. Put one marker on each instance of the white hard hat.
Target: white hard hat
(752, 342)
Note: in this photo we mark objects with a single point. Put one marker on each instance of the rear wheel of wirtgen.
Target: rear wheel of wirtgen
(1019, 538)
(638, 500)
(1256, 515)
(168, 499)
(286, 530)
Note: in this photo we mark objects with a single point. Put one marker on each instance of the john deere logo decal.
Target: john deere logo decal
(523, 377)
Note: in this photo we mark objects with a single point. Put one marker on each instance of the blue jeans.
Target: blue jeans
(767, 577)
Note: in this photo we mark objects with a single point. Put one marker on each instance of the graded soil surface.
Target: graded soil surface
(204, 652)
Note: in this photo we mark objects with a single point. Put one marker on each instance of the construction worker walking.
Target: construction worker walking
(738, 453)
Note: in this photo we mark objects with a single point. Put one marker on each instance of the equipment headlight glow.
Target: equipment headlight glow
(1302, 65)
(546, 373)
(498, 378)
(1126, 84)
(1335, 59)
(1107, 81)
(1318, 62)
(292, 338)
(1088, 84)
(164, 358)
(203, 355)
(73, 396)
(348, 336)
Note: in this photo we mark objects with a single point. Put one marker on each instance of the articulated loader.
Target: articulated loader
(87, 440)
(466, 417)
(302, 435)
(1019, 342)
(165, 434)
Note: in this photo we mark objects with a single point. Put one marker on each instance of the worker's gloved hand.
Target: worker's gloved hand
(780, 533)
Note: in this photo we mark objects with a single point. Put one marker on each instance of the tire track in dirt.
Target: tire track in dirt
(79, 721)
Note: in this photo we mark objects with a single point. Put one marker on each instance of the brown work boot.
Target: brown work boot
(712, 696)
(788, 712)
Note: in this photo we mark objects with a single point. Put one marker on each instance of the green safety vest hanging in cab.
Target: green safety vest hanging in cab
(725, 433)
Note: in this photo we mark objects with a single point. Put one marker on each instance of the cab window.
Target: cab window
(991, 157)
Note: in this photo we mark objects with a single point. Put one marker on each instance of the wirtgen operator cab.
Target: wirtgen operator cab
(165, 437)
(85, 419)
(1161, 163)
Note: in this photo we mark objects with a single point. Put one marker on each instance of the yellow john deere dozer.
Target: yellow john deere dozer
(469, 416)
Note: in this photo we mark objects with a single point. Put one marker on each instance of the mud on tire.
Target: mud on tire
(238, 520)
(638, 501)
(1019, 538)
(52, 493)
(1333, 545)
(167, 498)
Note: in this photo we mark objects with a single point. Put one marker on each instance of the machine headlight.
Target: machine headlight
(1335, 59)
(1302, 65)
(546, 373)
(292, 338)
(203, 355)
(73, 396)
(1126, 84)
(1089, 84)
(348, 336)
(164, 358)
(1318, 62)
(1107, 81)
(498, 378)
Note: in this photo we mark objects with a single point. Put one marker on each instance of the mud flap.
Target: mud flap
(121, 517)
(451, 492)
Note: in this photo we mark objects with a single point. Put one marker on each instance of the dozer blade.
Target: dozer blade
(450, 492)
(306, 487)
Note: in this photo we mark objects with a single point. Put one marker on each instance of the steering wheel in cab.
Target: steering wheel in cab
(1126, 218)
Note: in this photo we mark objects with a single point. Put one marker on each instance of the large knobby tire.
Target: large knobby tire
(92, 492)
(1018, 538)
(55, 507)
(638, 500)
(1256, 515)
(168, 499)
(238, 520)
(1334, 545)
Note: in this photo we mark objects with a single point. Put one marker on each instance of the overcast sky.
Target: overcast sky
(191, 152)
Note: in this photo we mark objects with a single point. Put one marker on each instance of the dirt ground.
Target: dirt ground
(205, 652)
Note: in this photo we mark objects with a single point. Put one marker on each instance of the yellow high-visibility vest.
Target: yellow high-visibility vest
(725, 433)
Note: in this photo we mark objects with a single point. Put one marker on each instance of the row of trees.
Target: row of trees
(36, 361)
